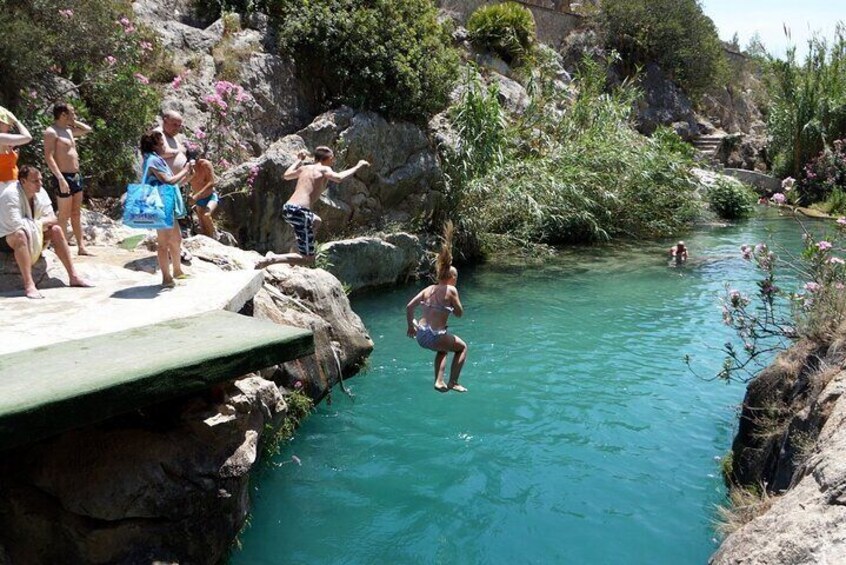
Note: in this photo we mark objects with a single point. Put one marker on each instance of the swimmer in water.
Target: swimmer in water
(679, 252)
(438, 301)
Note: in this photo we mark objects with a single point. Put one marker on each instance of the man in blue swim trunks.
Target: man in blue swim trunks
(311, 182)
(62, 158)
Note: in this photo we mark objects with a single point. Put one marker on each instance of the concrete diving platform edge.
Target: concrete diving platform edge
(54, 388)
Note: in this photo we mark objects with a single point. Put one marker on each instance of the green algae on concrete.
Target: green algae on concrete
(51, 389)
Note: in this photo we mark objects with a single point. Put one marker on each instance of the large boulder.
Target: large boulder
(314, 299)
(168, 484)
(403, 182)
(741, 151)
(664, 104)
(366, 262)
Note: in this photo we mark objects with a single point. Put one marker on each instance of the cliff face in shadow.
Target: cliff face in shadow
(791, 450)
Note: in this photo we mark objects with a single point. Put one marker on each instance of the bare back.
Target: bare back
(437, 306)
(59, 141)
(311, 182)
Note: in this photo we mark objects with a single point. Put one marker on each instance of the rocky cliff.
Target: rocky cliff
(169, 483)
(790, 455)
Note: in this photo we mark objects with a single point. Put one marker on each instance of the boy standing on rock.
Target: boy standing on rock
(311, 182)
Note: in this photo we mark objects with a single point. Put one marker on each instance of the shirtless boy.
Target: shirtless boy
(63, 160)
(311, 182)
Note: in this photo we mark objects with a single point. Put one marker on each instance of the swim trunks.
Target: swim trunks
(302, 220)
(4, 246)
(426, 336)
(204, 202)
(74, 184)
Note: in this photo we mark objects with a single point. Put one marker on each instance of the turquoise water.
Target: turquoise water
(583, 439)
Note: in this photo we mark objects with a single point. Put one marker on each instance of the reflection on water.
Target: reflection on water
(583, 438)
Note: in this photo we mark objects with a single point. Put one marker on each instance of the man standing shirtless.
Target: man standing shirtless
(63, 160)
(311, 182)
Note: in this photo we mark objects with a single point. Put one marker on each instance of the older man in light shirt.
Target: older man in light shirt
(175, 156)
(28, 224)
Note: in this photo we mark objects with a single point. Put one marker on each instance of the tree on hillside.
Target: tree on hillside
(676, 34)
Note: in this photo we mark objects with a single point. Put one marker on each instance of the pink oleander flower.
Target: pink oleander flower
(836, 261)
(111, 60)
(746, 252)
(761, 248)
(787, 184)
(298, 385)
(812, 287)
(224, 164)
(126, 25)
(824, 245)
(200, 134)
(141, 78)
(841, 221)
(66, 13)
(779, 198)
(176, 82)
(146, 46)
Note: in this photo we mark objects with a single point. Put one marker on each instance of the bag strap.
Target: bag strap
(147, 169)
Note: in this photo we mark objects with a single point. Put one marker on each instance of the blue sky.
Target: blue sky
(768, 16)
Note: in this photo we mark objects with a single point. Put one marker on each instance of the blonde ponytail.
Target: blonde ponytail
(443, 264)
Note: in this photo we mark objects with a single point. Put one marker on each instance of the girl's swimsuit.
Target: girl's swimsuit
(426, 336)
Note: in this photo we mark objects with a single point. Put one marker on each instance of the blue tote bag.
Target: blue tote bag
(150, 207)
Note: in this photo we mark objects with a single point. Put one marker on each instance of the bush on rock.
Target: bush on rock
(507, 29)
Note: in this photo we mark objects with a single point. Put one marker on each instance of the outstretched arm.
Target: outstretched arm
(16, 139)
(411, 331)
(295, 169)
(343, 175)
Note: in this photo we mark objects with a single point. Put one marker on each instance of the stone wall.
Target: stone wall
(553, 20)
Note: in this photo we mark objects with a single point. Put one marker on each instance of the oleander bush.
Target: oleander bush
(507, 29)
(93, 55)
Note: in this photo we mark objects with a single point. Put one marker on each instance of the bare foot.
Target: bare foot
(269, 259)
(441, 387)
(33, 294)
(85, 252)
(457, 387)
(168, 283)
(81, 283)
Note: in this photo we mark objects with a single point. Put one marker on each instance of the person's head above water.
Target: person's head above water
(680, 245)
(446, 273)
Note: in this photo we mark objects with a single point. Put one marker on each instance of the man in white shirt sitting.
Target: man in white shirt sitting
(28, 224)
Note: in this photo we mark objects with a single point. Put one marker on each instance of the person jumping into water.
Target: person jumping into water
(311, 182)
(438, 301)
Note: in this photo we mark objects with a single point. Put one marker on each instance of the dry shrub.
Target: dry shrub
(744, 506)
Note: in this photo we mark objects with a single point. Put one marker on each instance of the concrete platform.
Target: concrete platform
(51, 389)
(114, 305)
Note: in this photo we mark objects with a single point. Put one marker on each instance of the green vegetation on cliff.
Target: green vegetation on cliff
(807, 110)
(676, 34)
(565, 170)
(392, 56)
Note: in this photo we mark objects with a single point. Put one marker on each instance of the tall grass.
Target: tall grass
(570, 169)
(808, 102)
